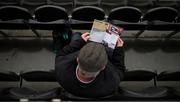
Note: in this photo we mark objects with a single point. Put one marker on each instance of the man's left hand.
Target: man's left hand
(85, 36)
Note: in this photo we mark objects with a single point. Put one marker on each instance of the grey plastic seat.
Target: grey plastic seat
(60, 2)
(83, 17)
(31, 94)
(14, 12)
(149, 92)
(7, 76)
(140, 3)
(33, 2)
(165, 3)
(14, 17)
(122, 16)
(49, 13)
(86, 2)
(36, 76)
(125, 14)
(68, 96)
(139, 75)
(166, 14)
(49, 17)
(161, 18)
(170, 76)
(9, 2)
(113, 2)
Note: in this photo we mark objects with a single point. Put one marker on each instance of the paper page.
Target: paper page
(106, 33)
(110, 40)
(96, 35)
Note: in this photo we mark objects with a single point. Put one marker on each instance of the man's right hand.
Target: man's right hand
(85, 36)
(120, 43)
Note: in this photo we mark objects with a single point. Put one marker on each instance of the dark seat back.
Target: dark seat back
(140, 3)
(33, 2)
(86, 2)
(166, 14)
(68, 96)
(169, 76)
(9, 2)
(113, 2)
(14, 12)
(39, 76)
(9, 76)
(88, 13)
(126, 14)
(48, 13)
(60, 2)
(139, 75)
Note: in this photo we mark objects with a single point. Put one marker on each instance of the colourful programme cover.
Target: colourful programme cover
(105, 33)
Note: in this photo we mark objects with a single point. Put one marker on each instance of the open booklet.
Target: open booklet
(106, 33)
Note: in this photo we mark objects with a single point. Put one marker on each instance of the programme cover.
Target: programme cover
(106, 33)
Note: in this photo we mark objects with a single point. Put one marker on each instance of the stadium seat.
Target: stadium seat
(170, 76)
(161, 18)
(165, 3)
(14, 17)
(125, 14)
(14, 12)
(113, 2)
(140, 3)
(149, 92)
(122, 16)
(83, 17)
(27, 93)
(49, 13)
(68, 96)
(33, 2)
(86, 2)
(166, 14)
(9, 2)
(49, 17)
(6, 76)
(9, 76)
(36, 76)
(139, 75)
(60, 2)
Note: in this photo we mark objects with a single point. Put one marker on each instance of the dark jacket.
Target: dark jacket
(106, 83)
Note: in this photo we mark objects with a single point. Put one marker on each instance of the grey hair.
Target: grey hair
(92, 57)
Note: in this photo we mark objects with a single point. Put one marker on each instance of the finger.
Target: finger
(86, 34)
(121, 40)
(87, 37)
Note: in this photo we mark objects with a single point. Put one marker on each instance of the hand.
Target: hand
(120, 43)
(85, 36)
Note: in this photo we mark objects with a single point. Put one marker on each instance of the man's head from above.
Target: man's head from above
(92, 59)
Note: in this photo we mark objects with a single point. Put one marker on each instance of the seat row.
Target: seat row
(54, 17)
(92, 2)
(154, 92)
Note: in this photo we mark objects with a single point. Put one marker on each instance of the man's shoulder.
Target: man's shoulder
(68, 56)
(66, 60)
(111, 69)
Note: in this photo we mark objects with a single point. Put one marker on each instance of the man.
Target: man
(84, 69)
